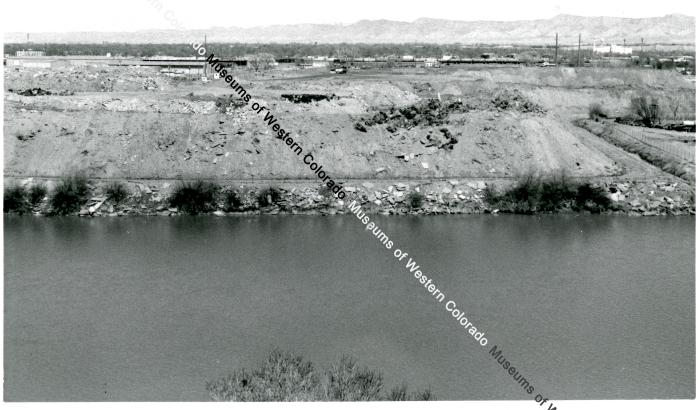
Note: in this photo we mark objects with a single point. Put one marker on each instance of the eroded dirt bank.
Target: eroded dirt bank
(422, 129)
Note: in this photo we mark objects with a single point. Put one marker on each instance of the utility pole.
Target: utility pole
(578, 63)
(556, 48)
(204, 63)
(641, 53)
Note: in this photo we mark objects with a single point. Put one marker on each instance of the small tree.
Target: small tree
(15, 199)
(595, 110)
(37, 193)
(674, 105)
(269, 196)
(647, 108)
(415, 200)
(116, 192)
(232, 201)
(69, 195)
(261, 61)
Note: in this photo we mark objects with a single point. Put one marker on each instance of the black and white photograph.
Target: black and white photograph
(487, 205)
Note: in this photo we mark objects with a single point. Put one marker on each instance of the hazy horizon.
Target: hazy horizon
(143, 15)
(213, 27)
(669, 29)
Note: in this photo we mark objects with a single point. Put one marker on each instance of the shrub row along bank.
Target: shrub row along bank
(70, 196)
(66, 198)
(533, 194)
(288, 377)
(661, 197)
(202, 197)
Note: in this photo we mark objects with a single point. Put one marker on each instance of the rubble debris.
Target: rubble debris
(307, 98)
(227, 104)
(90, 79)
(164, 142)
(444, 141)
(25, 137)
(149, 84)
(423, 89)
(430, 113)
(33, 92)
(514, 100)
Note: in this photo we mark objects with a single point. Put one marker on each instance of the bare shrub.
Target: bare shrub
(261, 61)
(595, 111)
(647, 108)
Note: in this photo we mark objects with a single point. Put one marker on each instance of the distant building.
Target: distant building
(29, 53)
(612, 49)
(312, 62)
(684, 59)
(432, 62)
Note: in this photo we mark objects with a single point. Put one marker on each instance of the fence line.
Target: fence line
(670, 147)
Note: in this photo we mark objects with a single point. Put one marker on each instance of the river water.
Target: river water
(586, 307)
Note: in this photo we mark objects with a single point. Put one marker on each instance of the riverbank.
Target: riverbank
(447, 136)
(669, 196)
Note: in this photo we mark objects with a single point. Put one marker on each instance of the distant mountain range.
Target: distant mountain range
(673, 28)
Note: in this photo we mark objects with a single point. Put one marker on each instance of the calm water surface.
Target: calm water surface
(151, 308)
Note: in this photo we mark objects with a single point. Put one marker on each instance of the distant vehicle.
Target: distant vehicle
(340, 70)
(547, 64)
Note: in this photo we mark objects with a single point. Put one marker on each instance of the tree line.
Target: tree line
(278, 50)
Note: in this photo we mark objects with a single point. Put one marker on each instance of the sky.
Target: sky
(132, 15)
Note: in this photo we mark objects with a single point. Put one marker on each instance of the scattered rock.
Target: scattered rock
(616, 196)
